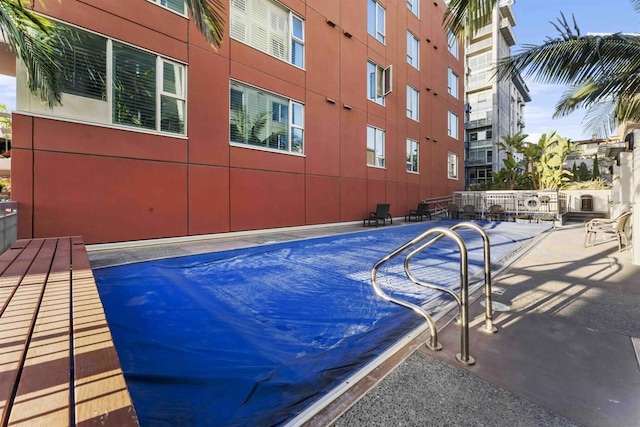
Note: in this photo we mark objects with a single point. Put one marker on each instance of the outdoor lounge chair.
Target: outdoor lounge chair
(617, 226)
(454, 211)
(495, 212)
(469, 212)
(419, 213)
(381, 214)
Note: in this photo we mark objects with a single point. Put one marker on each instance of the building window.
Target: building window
(413, 100)
(413, 50)
(378, 82)
(175, 5)
(452, 83)
(297, 41)
(267, 26)
(452, 125)
(105, 81)
(412, 156)
(375, 147)
(375, 20)
(452, 168)
(261, 119)
(452, 43)
(414, 7)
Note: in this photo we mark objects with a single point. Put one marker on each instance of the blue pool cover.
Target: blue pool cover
(253, 336)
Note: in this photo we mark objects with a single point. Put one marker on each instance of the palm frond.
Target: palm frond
(573, 59)
(208, 15)
(31, 38)
(471, 15)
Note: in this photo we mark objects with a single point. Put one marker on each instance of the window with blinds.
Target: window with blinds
(268, 27)
(144, 90)
(175, 5)
(83, 71)
(261, 119)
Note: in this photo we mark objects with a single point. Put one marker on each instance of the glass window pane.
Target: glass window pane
(297, 51)
(172, 81)
(83, 71)
(296, 114)
(296, 140)
(380, 24)
(171, 115)
(134, 87)
(297, 28)
(175, 5)
(371, 17)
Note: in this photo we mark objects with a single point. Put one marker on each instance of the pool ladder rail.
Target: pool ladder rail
(462, 300)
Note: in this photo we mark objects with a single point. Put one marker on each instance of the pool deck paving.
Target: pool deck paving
(566, 350)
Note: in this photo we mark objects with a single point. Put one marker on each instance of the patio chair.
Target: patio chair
(419, 213)
(495, 213)
(381, 214)
(454, 211)
(617, 226)
(469, 212)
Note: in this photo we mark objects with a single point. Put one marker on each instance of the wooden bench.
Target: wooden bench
(58, 364)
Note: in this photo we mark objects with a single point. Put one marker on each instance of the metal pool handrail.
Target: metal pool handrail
(462, 300)
(433, 343)
(488, 324)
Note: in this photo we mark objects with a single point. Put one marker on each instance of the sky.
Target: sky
(533, 25)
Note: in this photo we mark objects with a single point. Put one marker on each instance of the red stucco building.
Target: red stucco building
(311, 112)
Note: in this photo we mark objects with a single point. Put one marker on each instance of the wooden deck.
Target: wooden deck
(58, 364)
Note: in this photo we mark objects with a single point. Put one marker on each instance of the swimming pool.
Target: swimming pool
(253, 336)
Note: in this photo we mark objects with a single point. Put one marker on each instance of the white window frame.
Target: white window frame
(413, 156)
(378, 13)
(378, 144)
(452, 125)
(414, 7)
(163, 4)
(382, 80)
(243, 27)
(79, 108)
(452, 44)
(298, 40)
(413, 50)
(453, 83)
(291, 125)
(413, 103)
(452, 165)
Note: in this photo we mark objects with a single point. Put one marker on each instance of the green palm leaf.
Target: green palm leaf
(208, 18)
(31, 38)
(469, 14)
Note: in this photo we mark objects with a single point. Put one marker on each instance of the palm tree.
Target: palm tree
(602, 71)
(512, 144)
(34, 40)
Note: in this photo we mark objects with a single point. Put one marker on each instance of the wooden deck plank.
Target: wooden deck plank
(43, 396)
(52, 325)
(100, 390)
(17, 320)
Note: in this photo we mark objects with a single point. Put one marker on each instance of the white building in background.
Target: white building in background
(494, 109)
